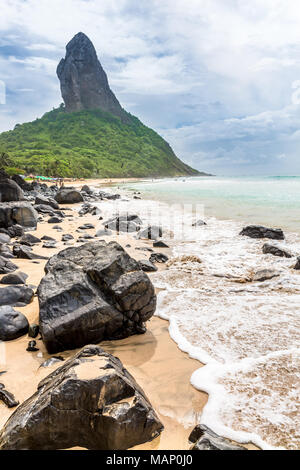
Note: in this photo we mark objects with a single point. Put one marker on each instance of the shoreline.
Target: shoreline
(149, 358)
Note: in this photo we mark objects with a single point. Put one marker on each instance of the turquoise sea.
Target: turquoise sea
(268, 200)
(245, 331)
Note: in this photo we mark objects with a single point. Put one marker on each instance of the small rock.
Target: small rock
(29, 240)
(199, 223)
(14, 279)
(264, 275)
(33, 330)
(16, 295)
(49, 244)
(258, 231)
(54, 220)
(7, 266)
(297, 266)
(205, 439)
(32, 346)
(147, 266)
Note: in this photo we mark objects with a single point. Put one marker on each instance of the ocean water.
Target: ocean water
(270, 200)
(246, 333)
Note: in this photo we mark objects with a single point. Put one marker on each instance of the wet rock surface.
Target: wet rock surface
(90, 401)
(205, 439)
(16, 295)
(91, 293)
(83, 81)
(13, 324)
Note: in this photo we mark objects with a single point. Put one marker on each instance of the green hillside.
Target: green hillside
(90, 143)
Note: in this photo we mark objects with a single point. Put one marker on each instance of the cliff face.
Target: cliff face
(83, 81)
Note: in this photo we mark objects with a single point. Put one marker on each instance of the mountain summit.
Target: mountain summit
(99, 140)
(83, 81)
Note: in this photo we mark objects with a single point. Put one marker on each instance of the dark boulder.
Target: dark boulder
(20, 213)
(29, 240)
(14, 279)
(199, 223)
(258, 231)
(54, 220)
(158, 258)
(44, 209)
(33, 330)
(10, 191)
(68, 196)
(205, 439)
(13, 324)
(32, 346)
(7, 397)
(83, 81)
(7, 266)
(47, 201)
(24, 185)
(160, 244)
(90, 401)
(67, 237)
(16, 295)
(15, 231)
(276, 251)
(91, 293)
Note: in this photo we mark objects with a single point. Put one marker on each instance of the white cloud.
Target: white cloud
(220, 79)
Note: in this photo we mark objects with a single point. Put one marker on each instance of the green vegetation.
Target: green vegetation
(89, 143)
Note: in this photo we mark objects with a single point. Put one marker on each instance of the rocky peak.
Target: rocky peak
(83, 81)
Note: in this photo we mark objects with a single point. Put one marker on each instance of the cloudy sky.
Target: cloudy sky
(219, 79)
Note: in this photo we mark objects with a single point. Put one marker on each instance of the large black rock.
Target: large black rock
(258, 231)
(91, 293)
(10, 191)
(16, 295)
(90, 401)
(13, 324)
(20, 213)
(83, 81)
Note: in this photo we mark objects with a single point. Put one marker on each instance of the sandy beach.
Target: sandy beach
(157, 364)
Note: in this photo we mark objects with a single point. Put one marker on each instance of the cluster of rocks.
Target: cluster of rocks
(88, 294)
(90, 401)
(257, 232)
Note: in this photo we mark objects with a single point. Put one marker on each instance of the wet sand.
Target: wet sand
(155, 361)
